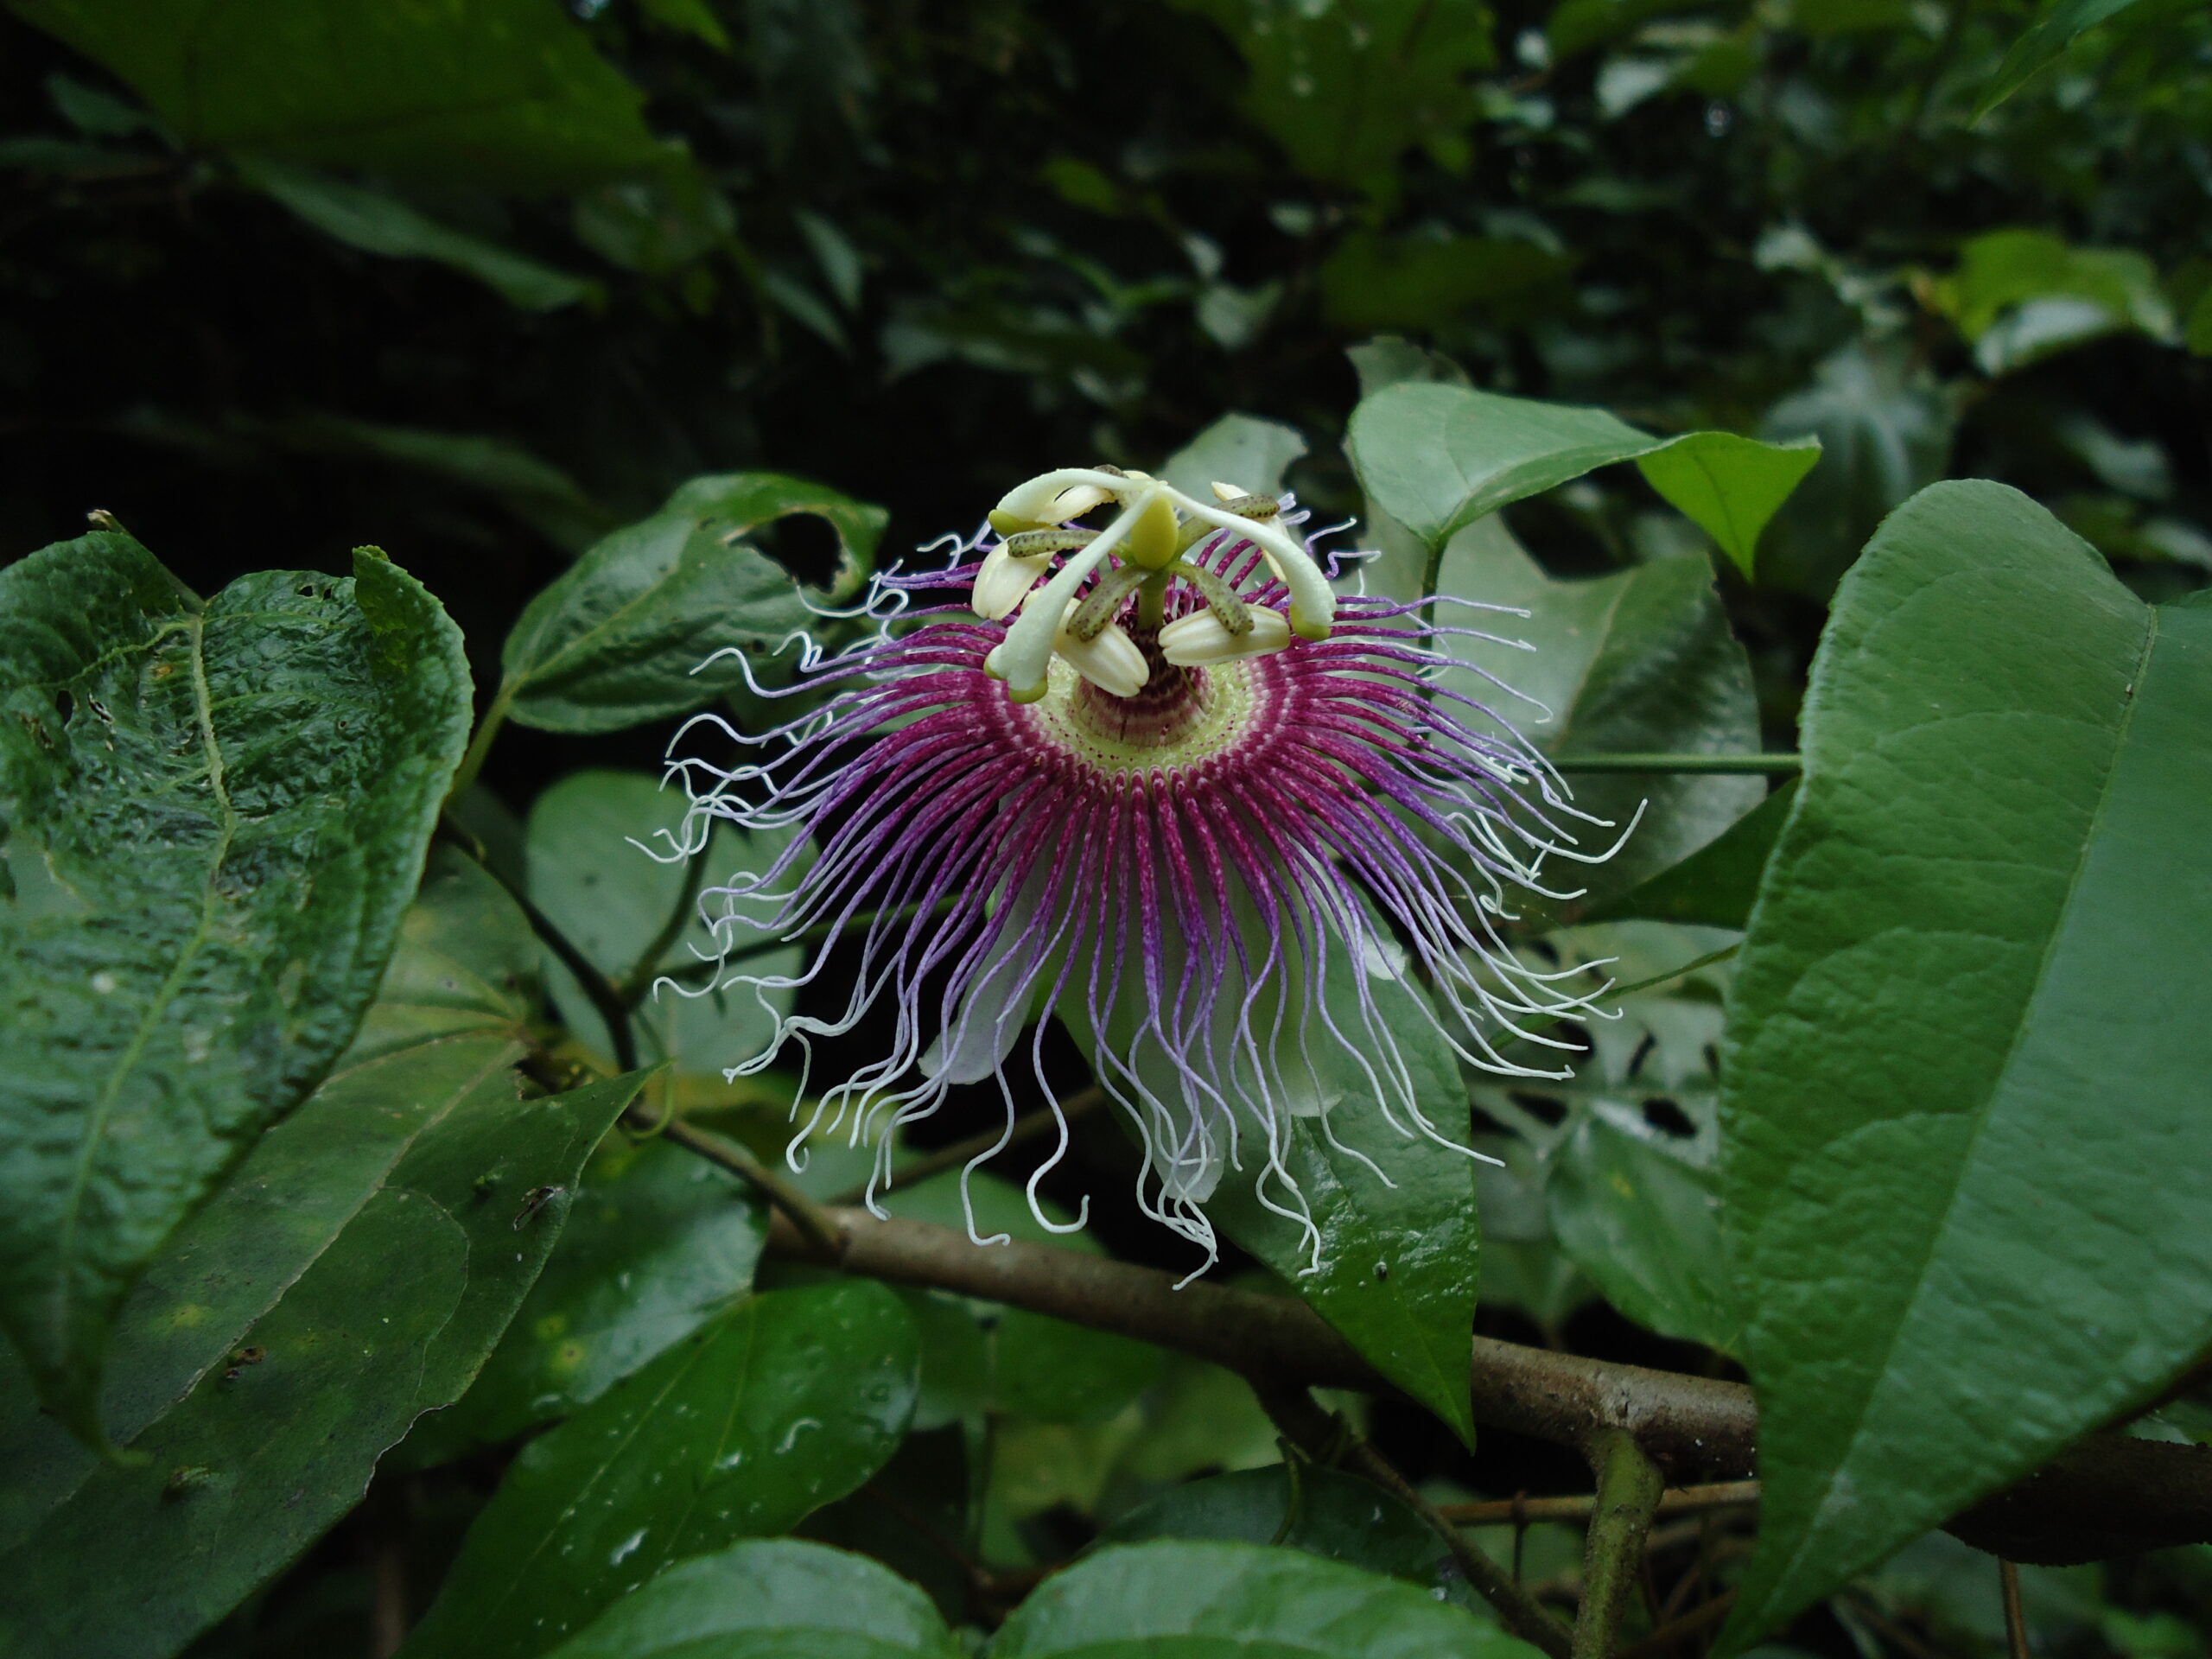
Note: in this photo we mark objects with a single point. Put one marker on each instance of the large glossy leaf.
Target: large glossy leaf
(625, 634)
(1968, 1169)
(614, 900)
(771, 1598)
(1172, 1600)
(216, 814)
(1397, 1263)
(1639, 662)
(340, 1287)
(1438, 457)
(786, 1404)
(449, 1017)
(505, 92)
(658, 1242)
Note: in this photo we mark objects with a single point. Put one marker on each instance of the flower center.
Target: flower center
(1181, 719)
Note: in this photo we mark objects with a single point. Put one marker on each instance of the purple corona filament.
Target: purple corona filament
(1180, 857)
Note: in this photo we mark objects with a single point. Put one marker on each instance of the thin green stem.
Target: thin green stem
(471, 759)
(597, 988)
(816, 1225)
(1151, 601)
(1629, 1487)
(1771, 765)
(639, 981)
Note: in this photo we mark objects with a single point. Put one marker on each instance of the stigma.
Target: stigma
(1094, 601)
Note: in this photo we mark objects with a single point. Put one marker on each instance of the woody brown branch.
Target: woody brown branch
(2108, 1495)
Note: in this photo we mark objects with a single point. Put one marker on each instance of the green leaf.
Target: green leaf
(2020, 295)
(2041, 45)
(1638, 663)
(381, 1317)
(1170, 1600)
(1729, 486)
(1628, 1145)
(1887, 429)
(1964, 1026)
(658, 1242)
(787, 1403)
(655, 225)
(1240, 449)
(217, 813)
(378, 223)
(1324, 1512)
(617, 640)
(448, 1016)
(771, 1598)
(1347, 88)
(611, 899)
(1398, 1262)
(1715, 885)
(1438, 457)
(504, 92)
(1373, 280)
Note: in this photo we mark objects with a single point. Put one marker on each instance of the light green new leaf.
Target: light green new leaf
(1967, 1166)
(215, 813)
(378, 223)
(771, 1598)
(504, 92)
(787, 1403)
(2020, 295)
(1438, 457)
(353, 1275)
(1175, 1601)
(2042, 46)
(617, 640)
(1636, 663)
(1397, 1262)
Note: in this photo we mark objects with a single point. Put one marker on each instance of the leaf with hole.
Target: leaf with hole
(215, 814)
(1964, 1026)
(626, 635)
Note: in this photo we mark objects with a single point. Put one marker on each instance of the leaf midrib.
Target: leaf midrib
(103, 1104)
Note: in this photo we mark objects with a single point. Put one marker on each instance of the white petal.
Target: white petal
(1229, 492)
(1194, 640)
(1110, 662)
(1005, 580)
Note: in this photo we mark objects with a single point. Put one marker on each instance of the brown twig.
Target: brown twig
(1680, 1500)
(1702, 1616)
(961, 1152)
(820, 1228)
(2016, 1621)
(2107, 1495)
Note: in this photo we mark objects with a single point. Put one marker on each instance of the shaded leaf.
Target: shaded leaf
(1240, 449)
(504, 92)
(388, 1318)
(1324, 1512)
(216, 813)
(1172, 1600)
(2041, 45)
(617, 640)
(658, 1242)
(611, 899)
(1372, 281)
(1637, 663)
(771, 1598)
(1347, 88)
(783, 1405)
(378, 223)
(1966, 1019)
(1438, 457)
(2020, 295)
(1393, 1266)
(1715, 885)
